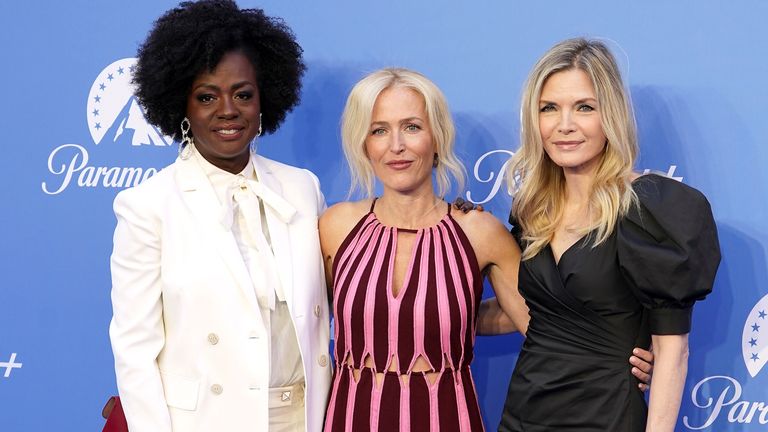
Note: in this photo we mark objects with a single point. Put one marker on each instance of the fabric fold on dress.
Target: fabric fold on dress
(588, 312)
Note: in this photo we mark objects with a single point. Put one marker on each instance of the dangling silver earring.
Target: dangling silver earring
(435, 161)
(255, 141)
(187, 142)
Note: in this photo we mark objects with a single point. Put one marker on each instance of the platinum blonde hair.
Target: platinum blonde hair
(538, 184)
(356, 123)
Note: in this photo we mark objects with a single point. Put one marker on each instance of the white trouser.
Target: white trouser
(286, 409)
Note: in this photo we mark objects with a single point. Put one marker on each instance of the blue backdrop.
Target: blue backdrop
(72, 138)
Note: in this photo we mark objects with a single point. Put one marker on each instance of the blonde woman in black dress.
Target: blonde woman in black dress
(611, 259)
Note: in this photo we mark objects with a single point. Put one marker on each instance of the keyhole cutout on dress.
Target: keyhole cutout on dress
(404, 250)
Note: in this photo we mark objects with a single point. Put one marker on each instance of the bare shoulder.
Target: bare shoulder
(479, 224)
(343, 212)
(338, 220)
(490, 239)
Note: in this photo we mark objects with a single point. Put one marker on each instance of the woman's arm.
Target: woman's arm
(492, 320)
(499, 257)
(334, 225)
(507, 312)
(136, 331)
(503, 277)
(669, 372)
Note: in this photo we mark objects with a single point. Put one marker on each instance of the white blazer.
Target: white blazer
(189, 342)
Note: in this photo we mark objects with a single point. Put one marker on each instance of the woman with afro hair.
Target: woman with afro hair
(220, 318)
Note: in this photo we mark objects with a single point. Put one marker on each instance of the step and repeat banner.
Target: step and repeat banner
(73, 135)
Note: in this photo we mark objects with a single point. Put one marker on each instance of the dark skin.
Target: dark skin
(224, 112)
(465, 206)
(641, 360)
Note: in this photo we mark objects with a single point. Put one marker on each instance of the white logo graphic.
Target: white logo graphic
(497, 179)
(10, 365)
(670, 173)
(113, 109)
(728, 392)
(754, 338)
(754, 351)
(492, 176)
(114, 115)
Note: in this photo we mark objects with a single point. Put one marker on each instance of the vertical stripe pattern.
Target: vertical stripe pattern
(432, 317)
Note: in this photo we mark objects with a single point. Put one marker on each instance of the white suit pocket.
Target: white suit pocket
(180, 391)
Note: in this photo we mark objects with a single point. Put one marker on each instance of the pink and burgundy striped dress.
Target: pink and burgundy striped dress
(432, 317)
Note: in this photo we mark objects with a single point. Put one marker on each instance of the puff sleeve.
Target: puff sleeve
(668, 251)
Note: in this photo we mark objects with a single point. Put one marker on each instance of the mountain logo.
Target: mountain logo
(113, 110)
(754, 338)
(117, 126)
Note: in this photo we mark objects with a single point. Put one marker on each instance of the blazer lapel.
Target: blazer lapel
(278, 230)
(204, 206)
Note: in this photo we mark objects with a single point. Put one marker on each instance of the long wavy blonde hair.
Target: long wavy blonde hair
(538, 184)
(356, 123)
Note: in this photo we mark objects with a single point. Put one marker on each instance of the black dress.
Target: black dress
(588, 312)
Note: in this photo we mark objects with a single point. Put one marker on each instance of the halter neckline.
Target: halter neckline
(408, 230)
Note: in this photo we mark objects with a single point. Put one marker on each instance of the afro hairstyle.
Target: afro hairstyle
(192, 38)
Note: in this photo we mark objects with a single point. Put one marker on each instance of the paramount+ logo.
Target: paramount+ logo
(119, 132)
(722, 396)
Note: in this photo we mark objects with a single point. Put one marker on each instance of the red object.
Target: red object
(113, 412)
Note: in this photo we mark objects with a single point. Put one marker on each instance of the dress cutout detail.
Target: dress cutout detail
(433, 317)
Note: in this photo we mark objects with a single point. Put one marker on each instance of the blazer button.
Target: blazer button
(322, 360)
(217, 389)
(317, 310)
(213, 339)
